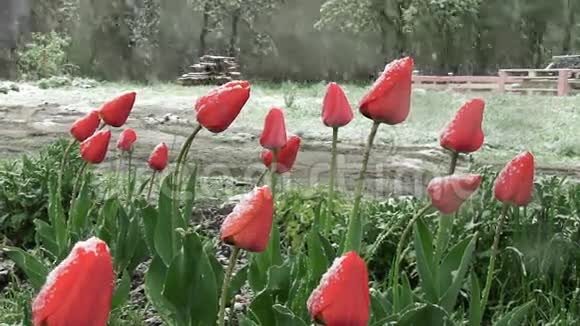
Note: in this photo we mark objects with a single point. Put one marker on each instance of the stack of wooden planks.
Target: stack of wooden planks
(211, 70)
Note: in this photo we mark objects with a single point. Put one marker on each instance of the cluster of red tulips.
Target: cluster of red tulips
(115, 113)
(79, 290)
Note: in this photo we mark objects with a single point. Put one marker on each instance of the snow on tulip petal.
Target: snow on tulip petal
(248, 226)
(116, 112)
(79, 290)
(126, 140)
(515, 183)
(389, 100)
(274, 133)
(286, 156)
(219, 108)
(159, 157)
(94, 149)
(464, 133)
(448, 193)
(336, 110)
(342, 297)
(86, 126)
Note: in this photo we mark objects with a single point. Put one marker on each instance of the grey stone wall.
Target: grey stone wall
(14, 22)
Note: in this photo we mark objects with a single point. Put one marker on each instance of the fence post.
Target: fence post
(563, 86)
(502, 81)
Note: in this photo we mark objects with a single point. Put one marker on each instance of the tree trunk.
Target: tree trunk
(399, 31)
(568, 27)
(234, 35)
(204, 29)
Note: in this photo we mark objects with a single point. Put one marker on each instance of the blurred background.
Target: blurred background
(303, 40)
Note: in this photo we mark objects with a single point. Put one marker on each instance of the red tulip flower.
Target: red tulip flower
(217, 110)
(79, 290)
(464, 133)
(274, 133)
(448, 193)
(86, 126)
(126, 140)
(159, 157)
(94, 149)
(286, 156)
(515, 183)
(116, 112)
(248, 226)
(342, 297)
(336, 110)
(389, 100)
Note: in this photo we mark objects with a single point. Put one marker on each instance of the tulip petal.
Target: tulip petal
(464, 133)
(389, 100)
(515, 183)
(86, 126)
(342, 297)
(217, 110)
(94, 149)
(116, 112)
(274, 133)
(79, 290)
(159, 157)
(126, 140)
(336, 110)
(286, 156)
(248, 226)
(448, 193)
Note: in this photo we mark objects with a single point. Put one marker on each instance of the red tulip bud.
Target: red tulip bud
(248, 226)
(336, 111)
(286, 156)
(515, 183)
(86, 126)
(217, 110)
(159, 157)
(389, 100)
(126, 140)
(464, 134)
(116, 112)
(274, 133)
(79, 290)
(342, 297)
(94, 149)
(448, 193)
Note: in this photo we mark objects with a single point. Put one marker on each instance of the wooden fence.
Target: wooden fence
(560, 82)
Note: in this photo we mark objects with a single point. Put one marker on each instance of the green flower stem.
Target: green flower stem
(261, 177)
(77, 184)
(381, 238)
(445, 226)
(273, 173)
(64, 162)
(119, 165)
(225, 286)
(399, 254)
(332, 172)
(129, 177)
(151, 182)
(491, 267)
(453, 164)
(182, 158)
(354, 233)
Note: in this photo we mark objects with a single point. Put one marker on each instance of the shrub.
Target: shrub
(24, 191)
(45, 56)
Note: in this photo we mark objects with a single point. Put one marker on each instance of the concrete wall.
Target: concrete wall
(14, 18)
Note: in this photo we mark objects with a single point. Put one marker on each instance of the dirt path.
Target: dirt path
(30, 119)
